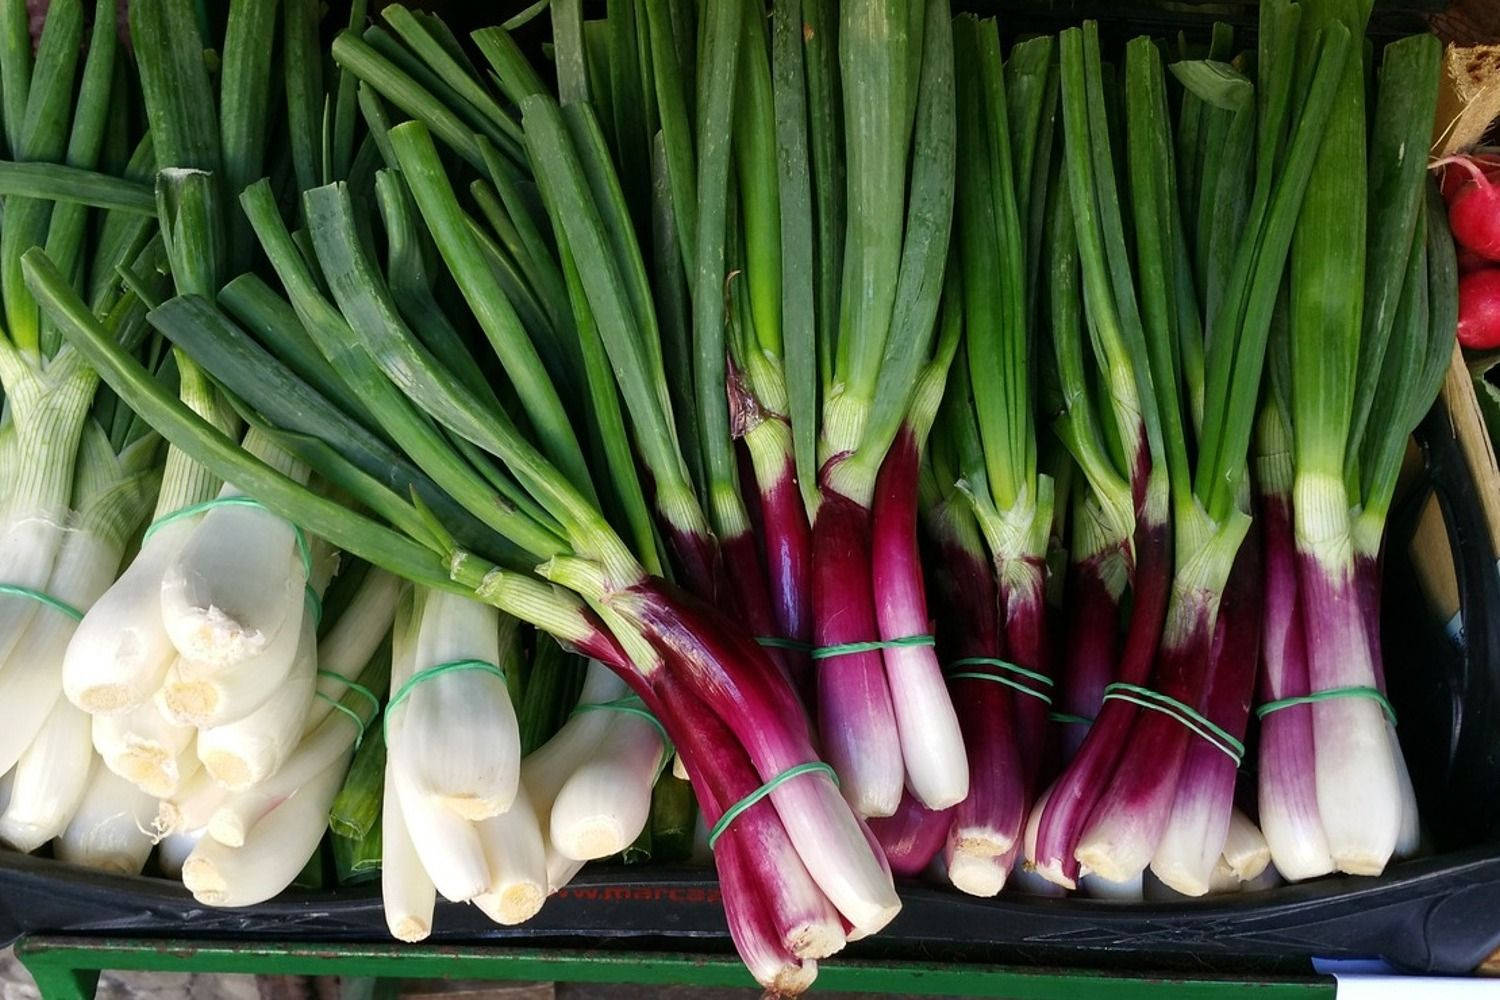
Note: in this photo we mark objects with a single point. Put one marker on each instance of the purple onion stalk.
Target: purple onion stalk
(1095, 586)
(1194, 839)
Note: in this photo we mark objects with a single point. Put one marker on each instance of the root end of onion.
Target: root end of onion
(473, 807)
(410, 929)
(599, 837)
(228, 769)
(816, 940)
(513, 904)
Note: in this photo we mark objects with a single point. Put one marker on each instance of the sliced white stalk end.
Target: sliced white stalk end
(517, 859)
(407, 893)
(605, 804)
(143, 747)
(110, 832)
(1222, 879)
(50, 779)
(276, 849)
(173, 851)
(1245, 847)
(198, 797)
(245, 752)
(981, 875)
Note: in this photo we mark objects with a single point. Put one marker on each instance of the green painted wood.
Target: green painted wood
(66, 968)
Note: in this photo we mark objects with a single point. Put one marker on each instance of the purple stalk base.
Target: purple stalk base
(1066, 808)
(1126, 823)
(742, 591)
(856, 719)
(724, 668)
(1025, 621)
(787, 540)
(912, 837)
(995, 807)
(697, 560)
(932, 745)
(1287, 786)
(1204, 801)
(1359, 789)
(1092, 648)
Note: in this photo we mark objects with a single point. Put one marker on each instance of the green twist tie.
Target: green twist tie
(733, 812)
(1197, 723)
(1069, 719)
(1010, 682)
(56, 604)
(452, 666)
(360, 725)
(1354, 691)
(234, 501)
(356, 687)
(849, 648)
(631, 704)
(777, 642)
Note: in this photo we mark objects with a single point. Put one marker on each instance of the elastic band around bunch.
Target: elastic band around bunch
(1069, 719)
(41, 597)
(631, 704)
(1353, 691)
(733, 812)
(356, 687)
(360, 725)
(1195, 721)
(232, 501)
(314, 605)
(1010, 682)
(850, 648)
(452, 666)
(777, 642)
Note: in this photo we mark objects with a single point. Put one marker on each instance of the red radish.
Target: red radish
(1468, 261)
(1455, 181)
(1474, 214)
(1479, 309)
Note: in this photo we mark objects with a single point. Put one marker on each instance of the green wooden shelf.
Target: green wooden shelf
(67, 968)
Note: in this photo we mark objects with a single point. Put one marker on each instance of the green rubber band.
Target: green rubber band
(56, 604)
(1191, 718)
(1353, 691)
(849, 648)
(356, 687)
(451, 666)
(360, 725)
(1009, 682)
(1069, 719)
(777, 642)
(314, 605)
(1015, 668)
(233, 501)
(733, 812)
(631, 704)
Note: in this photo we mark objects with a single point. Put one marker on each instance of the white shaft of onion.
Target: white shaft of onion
(7, 782)
(243, 753)
(198, 798)
(172, 851)
(463, 747)
(1409, 836)
(142, 746)
(1245, 848)
(405, 890)
(237, 813)
(1359, 794)
(1193, 840)
(451, 850)
(237, 583)
(1101, 888)
(51, 777)
(120, 652)
(274, 852)
(604, 805)
(47, 410)
(1221, 879)
(31, 681)
(517, 859)
(547, 768)
(196, 695)
(353, 639)
(110, 830)
(560, 868)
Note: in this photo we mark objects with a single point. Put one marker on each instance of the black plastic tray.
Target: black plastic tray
(1436, 914)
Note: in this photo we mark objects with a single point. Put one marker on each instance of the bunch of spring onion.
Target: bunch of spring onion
(549, 555)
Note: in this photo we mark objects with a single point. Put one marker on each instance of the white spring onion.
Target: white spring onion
(518, 863)
(173, 850)
(603, 807)
(275, 851)
(51, 777)
(119, 655)
(143, 747)
(110, 830)
(248, 750)
(464, 748)
(405, 889)
(1245, 848)
(195, 803)
(237, 583)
